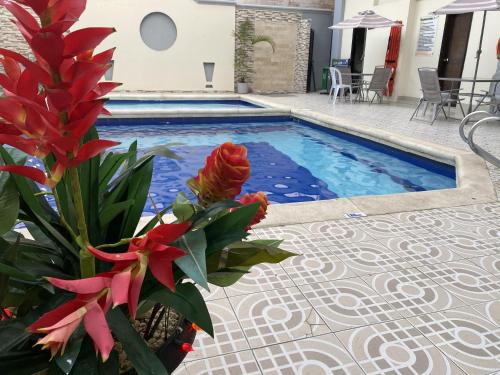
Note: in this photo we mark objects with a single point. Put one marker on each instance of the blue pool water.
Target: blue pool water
(291, 160)
(179, 104)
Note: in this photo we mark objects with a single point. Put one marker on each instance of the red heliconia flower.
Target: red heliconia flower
(5, 313)
(153, 251)
(260, 198)
(92, 302)
(225, 172)
(51, 103)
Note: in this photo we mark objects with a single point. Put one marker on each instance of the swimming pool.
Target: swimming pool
(292, 160)
(180, 104)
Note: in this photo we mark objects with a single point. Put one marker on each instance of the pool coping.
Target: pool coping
(474, 184)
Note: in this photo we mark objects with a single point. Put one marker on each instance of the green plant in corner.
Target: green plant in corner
(245, 40)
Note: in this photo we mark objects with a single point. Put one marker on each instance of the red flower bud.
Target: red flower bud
(225, 172)
(186, 347)
(260, 198)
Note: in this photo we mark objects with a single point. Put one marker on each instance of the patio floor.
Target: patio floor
(410, 293)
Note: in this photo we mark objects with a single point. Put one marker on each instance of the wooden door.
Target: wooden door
(454, 48)
(358, 50)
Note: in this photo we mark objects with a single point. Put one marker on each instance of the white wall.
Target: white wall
(204, 34)
(410, 12)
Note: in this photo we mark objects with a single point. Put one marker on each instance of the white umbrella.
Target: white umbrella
(469, 6)
(367, 19)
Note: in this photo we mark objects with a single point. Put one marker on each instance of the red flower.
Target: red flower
(153, 251)
(187, 347)
(260, 198)
(90, 305)
(51, 103)
(225, 172)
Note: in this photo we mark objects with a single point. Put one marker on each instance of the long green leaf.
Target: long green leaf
(110, 212)
(9, 203)
(227, 276)
(145, 362)
(15, 273)
(194, 263)
(188, 301)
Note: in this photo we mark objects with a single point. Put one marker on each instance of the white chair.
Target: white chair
(337, 85)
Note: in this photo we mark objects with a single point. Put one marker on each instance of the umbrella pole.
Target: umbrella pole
(478, 56)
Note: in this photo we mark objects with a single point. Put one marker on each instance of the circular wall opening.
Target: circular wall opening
(158, 31)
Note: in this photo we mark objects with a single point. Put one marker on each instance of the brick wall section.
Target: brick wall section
(310, 4)
(286, 69)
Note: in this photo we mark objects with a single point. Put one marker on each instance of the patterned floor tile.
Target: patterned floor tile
(323, 355)
(470, 340)
(490, 263)
(395, 348)
(420, 251)
(316, 267)
(277, 316)
(215, 293)
(262, 278)
(411, 293)
(366, 258)
(229, 337)
(490, 310)
(345, 304)
(296, 237)
(430, 220)
(229, 364)
(388, 226)
(465, 280)
(340, 231)
(469, 245)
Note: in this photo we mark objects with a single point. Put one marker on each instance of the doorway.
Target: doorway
(358, 50)
(454, 48)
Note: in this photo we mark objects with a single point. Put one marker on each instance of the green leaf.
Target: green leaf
(187, 301)
(227, 276)
(248, 254)
(9, 201)
(152, 223)
(110, 212)
(145, 362)
(183, 208)
(162, 151)
(26, 362)
(15, 273)
(194, 264)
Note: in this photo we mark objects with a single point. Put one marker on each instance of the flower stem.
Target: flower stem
(124, 241)
(87, 263)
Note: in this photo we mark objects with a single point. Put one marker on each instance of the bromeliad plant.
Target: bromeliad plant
(82, 269)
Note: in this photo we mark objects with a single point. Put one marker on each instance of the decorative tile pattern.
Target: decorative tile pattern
(468, 282)
(215, 293)
(315, 267)
(345, 304)
(410, 292)
(229, 337)
(262, 278)
(323, 355)
(471, 341)
(341, 231)
(395, 348)
(490, 310)
(469, 245)
(365, 258)
(420, 251)
(277, 316)
(229, 364)
(388, 226)
(490, 263)
(296, 237)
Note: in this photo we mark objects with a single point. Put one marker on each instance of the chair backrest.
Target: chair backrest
(380, 79)
(429, 81)
(336, 76)
(345, 71)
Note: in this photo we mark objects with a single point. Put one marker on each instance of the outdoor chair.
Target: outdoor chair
(347, 78)
(432, 94)
(491, 99)
(379, 83)
(337, 85)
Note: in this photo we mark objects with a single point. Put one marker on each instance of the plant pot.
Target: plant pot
(242, 88)
(170, 353)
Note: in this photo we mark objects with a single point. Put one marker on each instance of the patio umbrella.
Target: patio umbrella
(469, 6)
(367, 19)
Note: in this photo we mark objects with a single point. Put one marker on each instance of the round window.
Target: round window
(158, 31)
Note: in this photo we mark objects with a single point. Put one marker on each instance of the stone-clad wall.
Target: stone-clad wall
(285, 70)
(309, 4)
(10, 37)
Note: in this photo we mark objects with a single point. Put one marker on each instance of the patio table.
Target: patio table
(359, 77)
(459, 80)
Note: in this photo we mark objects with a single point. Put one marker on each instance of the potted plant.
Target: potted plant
(82, 274)
(245, 40)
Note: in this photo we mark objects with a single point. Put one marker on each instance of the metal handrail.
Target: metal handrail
(469, 138)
